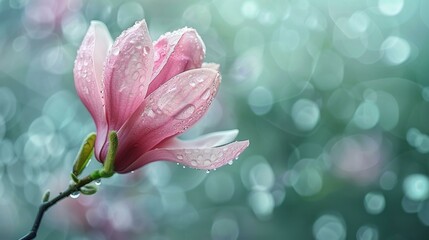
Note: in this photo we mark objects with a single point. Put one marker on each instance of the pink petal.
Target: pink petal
(208, 158)
(206, 141)
(168, 111)
(175, 53)
(213, 66)
(88, 71)
(128, 72)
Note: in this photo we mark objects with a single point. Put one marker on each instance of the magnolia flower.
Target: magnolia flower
(149, 93)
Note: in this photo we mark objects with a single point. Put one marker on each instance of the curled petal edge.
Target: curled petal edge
(205, 141)
(199, 158)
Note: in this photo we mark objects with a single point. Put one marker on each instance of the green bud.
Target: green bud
(74, 178)
(88, 190)
(84, 155)
(109, 163)
(46, 195)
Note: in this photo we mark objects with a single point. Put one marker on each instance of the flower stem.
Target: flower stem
(46, 205)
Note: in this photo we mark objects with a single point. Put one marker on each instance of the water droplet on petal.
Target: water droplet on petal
(146, 50)
(98, 182)
(208, 171)
(192, 84)
(136, 75)
(156, 57)
(115, 51)
(194, 163)
(201, 79)
(122, 87)
(85, 90)
(185, 112)
(150, 113)
(207, 162)
(206, 94)
(230, 162)
(180, 157)
(75, 194)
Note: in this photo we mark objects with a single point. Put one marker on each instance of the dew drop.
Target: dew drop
(180, 157)
(122, 88)
(151, 113)
(206, 94)
(192, 84)
(75, 194)
(115, 51)
(132, 171)
(156, 57)
(200, 80)
(85, 90)
(184, 166)
(85, 63)
(177, 164)
(98, 182)
(230, 162)
(194, 163)
(208, 171)
(207, 162)
(136, 75)
(140, 47)
(185, 112)
(146, 50)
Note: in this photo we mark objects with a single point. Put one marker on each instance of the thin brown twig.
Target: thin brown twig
(46, 205)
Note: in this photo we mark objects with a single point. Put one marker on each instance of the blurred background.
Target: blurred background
(333, 95)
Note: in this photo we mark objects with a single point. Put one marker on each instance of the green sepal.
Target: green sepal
(74, 178)
(46, 196)
(109, 163)
(88, 190)
(84, 154)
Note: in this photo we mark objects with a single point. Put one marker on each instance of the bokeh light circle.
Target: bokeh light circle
(416, 187)
(329, 227)
(305, 114)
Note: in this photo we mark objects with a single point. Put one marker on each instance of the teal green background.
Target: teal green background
(333, 96)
